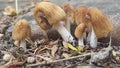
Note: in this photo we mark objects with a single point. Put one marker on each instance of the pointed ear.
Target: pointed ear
(100, 22)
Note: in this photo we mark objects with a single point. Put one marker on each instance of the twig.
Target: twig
(16, 5)
(15, 64)
(45, 58)
(64, 61)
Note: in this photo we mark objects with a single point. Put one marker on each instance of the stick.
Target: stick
(61, 60)
(16, 5)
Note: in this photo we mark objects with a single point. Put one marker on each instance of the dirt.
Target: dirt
(110, 7)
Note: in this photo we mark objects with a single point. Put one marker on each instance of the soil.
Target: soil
(43, 47)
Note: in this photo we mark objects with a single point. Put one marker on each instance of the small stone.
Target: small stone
(3, 27)
(16, 43)
(30, 60)
(113, 53)
(1, 36)
(6, 57)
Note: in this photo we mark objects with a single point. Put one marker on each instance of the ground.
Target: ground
(110, 7)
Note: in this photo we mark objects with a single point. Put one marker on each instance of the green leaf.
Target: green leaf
(70, 46)
(80, 48)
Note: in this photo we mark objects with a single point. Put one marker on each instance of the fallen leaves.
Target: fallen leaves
(12, 63)
(53, 50)
(69, 46)
(66, 55)
(77, 50)
(58, 53)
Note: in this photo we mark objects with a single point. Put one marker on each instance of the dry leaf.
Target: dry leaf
(65, 45)
(66, 55)
(80, 48)
(70, 46)
(113, 53)
(53, 50)
(38, 50)
(53, 42)
(44, 58)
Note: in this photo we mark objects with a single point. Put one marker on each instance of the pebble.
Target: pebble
(1, 36)
(30, 60)
(6, 57)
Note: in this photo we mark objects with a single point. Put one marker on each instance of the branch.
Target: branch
(63, 61)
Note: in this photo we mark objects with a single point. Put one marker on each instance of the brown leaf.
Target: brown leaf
(38, 50)
(44, 58)
(53, 50)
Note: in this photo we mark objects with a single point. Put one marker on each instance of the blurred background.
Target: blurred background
(108, 6)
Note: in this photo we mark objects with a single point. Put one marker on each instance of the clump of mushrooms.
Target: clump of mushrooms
(97, 23)
(52, 15)
(83, 24)
(101, 25)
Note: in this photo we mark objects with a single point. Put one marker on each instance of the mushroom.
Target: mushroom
(79, 31)
(10, 11)
(101, 25)
(21, 32)
(70, 15)
(1, 36)
(82, 23)
(16, 6)
(80, 15)
(55, 16)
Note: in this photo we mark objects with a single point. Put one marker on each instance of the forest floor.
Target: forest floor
(52, 52)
